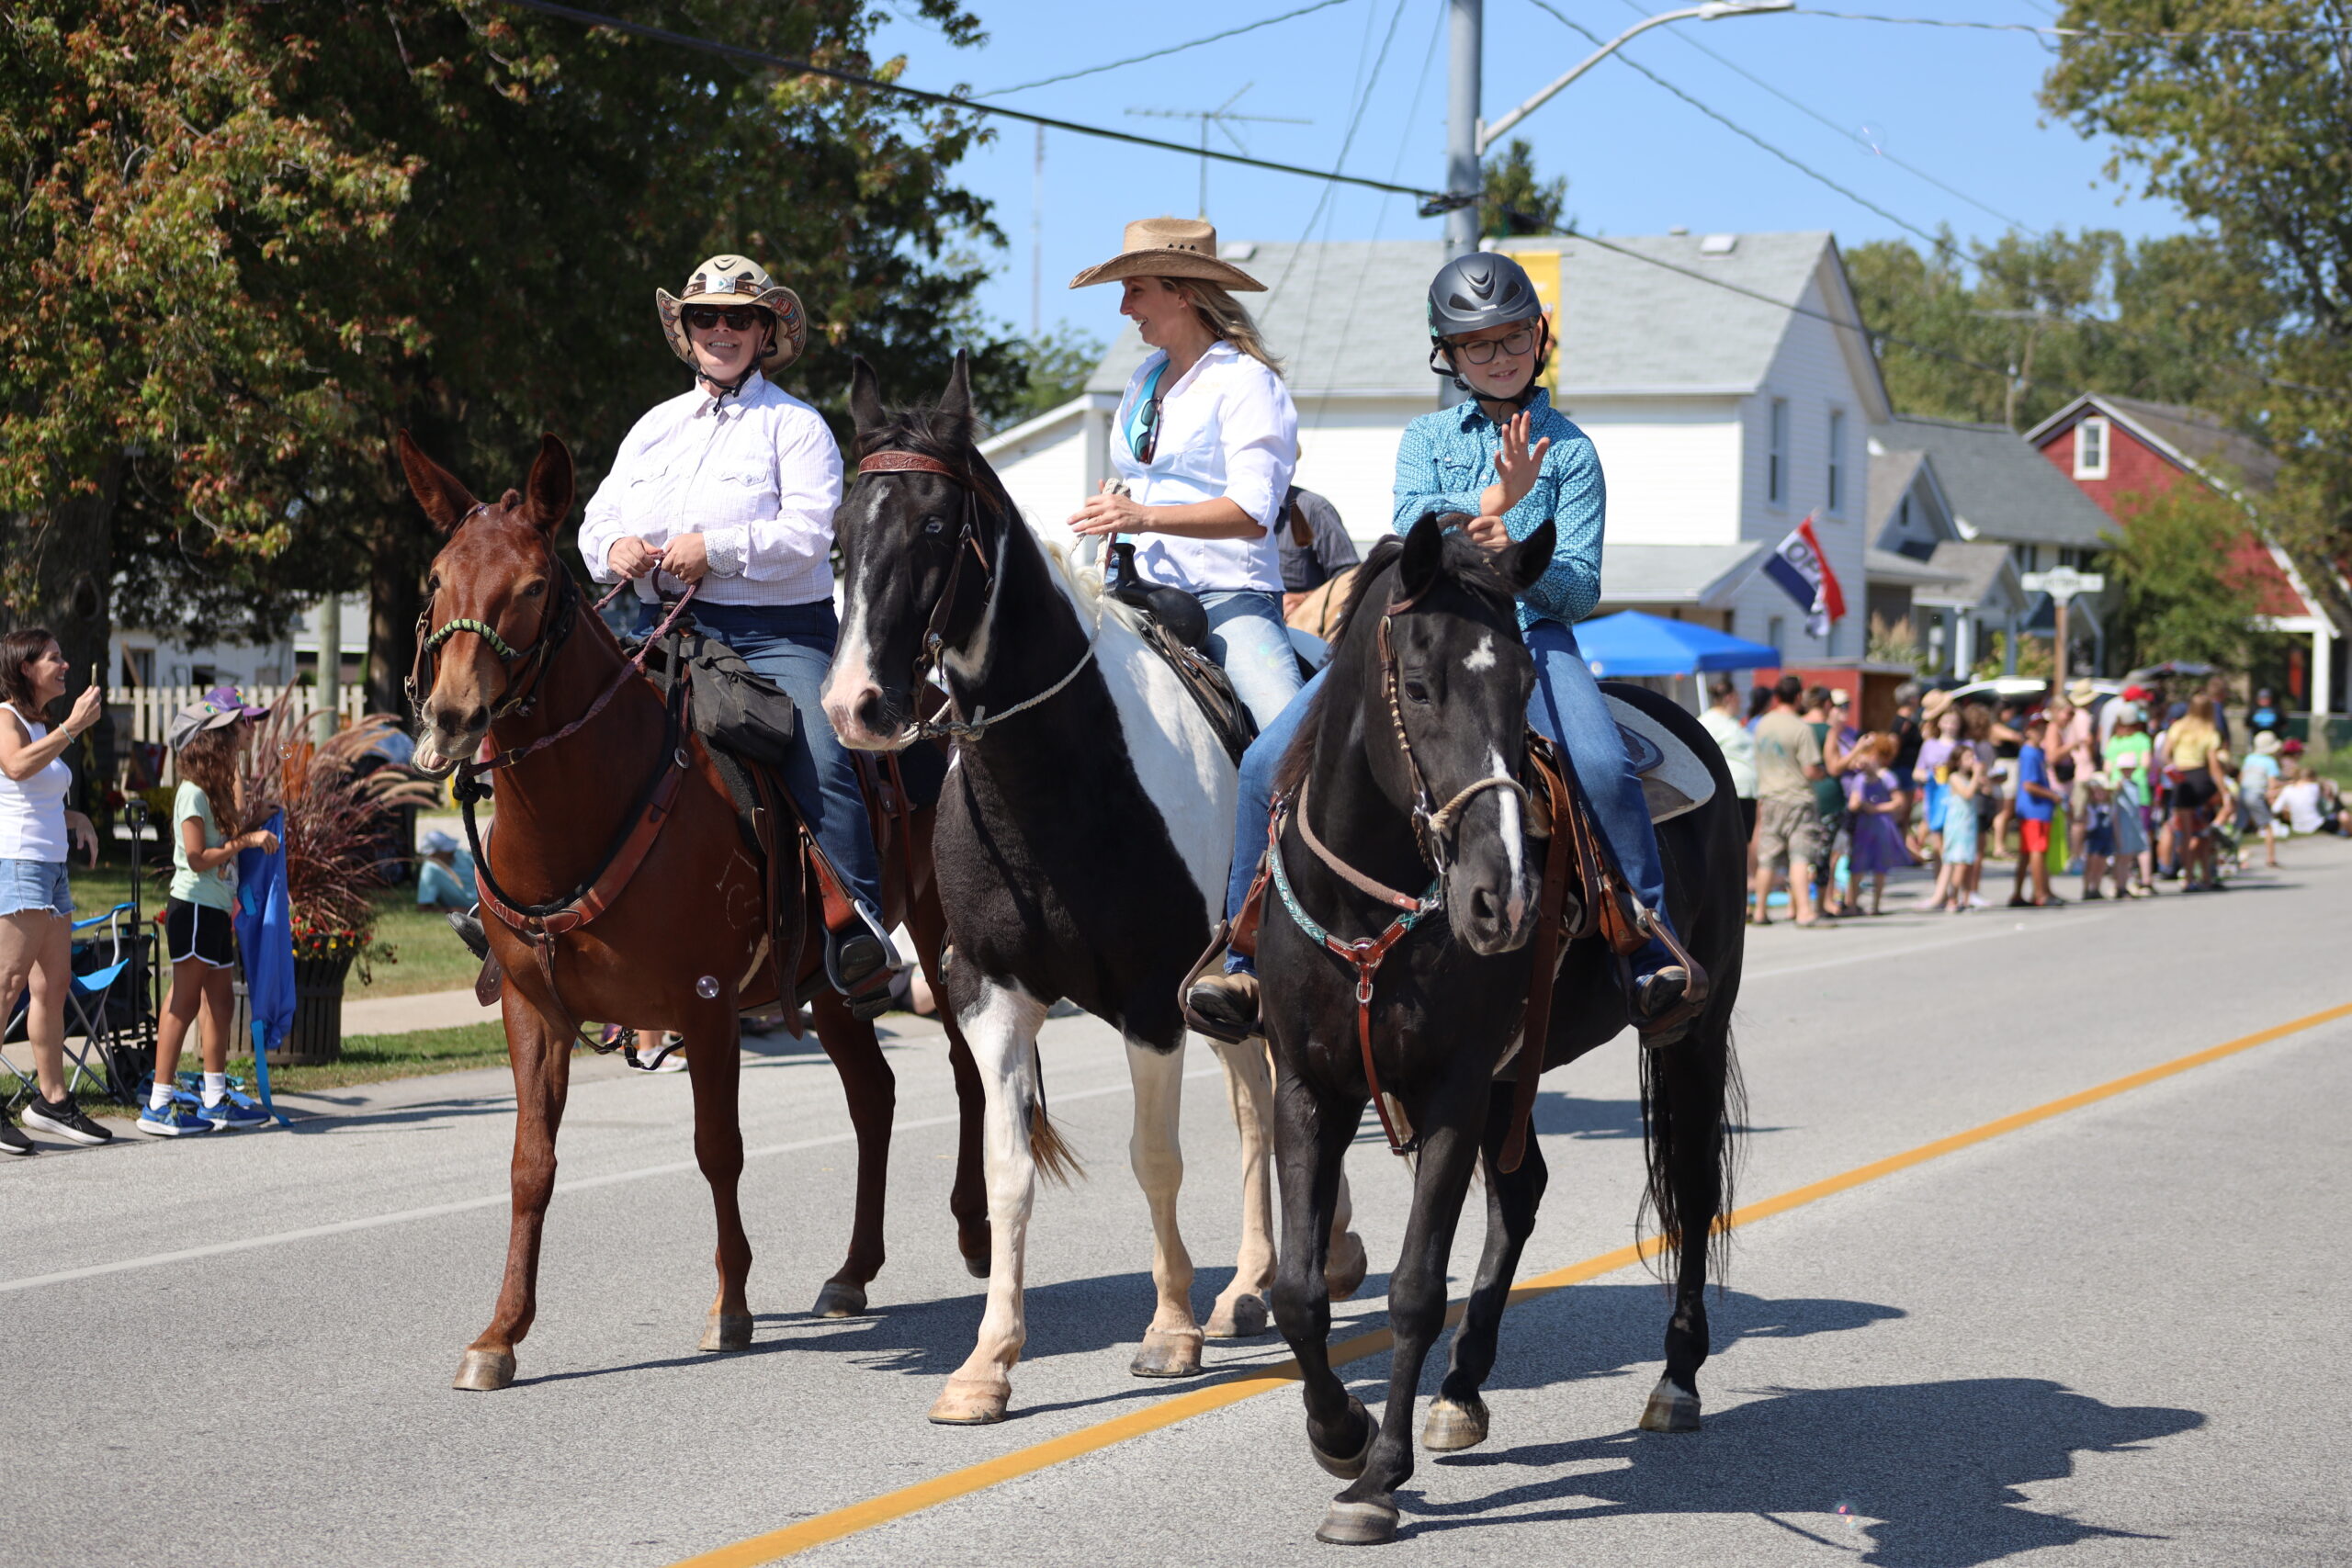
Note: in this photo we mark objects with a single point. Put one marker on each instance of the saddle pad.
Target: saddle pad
(1673, 778)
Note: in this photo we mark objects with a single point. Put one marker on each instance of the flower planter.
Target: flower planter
(316, 1037)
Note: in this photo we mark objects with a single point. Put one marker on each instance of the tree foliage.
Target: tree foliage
(1516, 200)
(2183, 590)
(1055, 370)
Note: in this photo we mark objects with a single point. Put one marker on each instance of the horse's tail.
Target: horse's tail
(1694, 1104)
(1054, 1155)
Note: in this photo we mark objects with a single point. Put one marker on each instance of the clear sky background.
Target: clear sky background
(1958, 105)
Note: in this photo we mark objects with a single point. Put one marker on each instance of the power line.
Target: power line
(1162, 53)
(1355, 121)
(947, 100)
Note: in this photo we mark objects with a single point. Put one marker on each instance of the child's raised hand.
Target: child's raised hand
(1517, 465)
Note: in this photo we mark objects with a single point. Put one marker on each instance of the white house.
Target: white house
(1724, 378)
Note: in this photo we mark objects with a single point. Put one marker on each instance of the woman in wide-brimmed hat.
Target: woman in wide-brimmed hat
(732, 486)
(1206, 441)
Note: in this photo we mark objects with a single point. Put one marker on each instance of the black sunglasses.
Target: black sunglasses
(1150, 423)
(739, 318)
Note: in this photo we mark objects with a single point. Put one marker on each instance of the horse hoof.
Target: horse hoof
(1358, 1524)
(1344, 1268)
(1168, 1353)
(839, 1299)
(977, 1265)
(972, 1402)
(1245, 1319)
(727, 1331)
(1670, 1409)
(1347, 1467)
(485, 1371)
(1452, 1428)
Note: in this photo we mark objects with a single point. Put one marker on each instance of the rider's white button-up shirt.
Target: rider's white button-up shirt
(1227, 429)
(757, 474)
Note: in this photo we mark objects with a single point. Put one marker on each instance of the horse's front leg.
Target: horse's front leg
(1239, 1312)
(968, 1198)
(715, 1066)
(1457, 1418)
(1001, 1023)
(1171, 1345)
(1312, 1135)
(872, 1090)
(1366, 1511)
(540, 1054)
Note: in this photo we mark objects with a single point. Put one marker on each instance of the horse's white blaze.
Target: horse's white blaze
(1483, 655)
(969, 662)
(1178, 759)
(852, 668)
(1514, 832)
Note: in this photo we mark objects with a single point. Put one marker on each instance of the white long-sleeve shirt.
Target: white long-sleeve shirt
(1228, 428)
(756, 473)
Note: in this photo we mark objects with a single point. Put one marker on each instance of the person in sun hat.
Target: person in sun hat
(731, 487)
(2257, 777)
(445, 873)
(1205, 442)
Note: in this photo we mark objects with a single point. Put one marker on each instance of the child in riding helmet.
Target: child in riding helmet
(1507, 459)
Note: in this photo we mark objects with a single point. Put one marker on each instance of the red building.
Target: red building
(2123, 450)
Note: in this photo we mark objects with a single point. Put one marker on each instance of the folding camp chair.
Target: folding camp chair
(106, 1011)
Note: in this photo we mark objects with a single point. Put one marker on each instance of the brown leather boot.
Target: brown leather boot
(1224, 1007)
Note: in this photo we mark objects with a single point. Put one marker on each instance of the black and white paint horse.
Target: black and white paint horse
(1082, 847)
(1425, 701)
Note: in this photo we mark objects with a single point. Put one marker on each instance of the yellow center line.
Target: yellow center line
(830, 1527)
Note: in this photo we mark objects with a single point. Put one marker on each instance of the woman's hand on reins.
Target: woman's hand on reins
(686, 559)
(632, 557)
(1109, 513)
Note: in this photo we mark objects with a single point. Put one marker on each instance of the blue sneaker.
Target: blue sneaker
(236, 1111)
(174, 1118)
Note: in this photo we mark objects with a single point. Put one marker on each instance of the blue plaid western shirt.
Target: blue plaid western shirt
(1447, 458)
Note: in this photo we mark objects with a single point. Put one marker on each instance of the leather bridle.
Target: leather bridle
(933, 647)
(525, 668)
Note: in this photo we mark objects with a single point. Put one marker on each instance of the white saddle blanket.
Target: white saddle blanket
(1674, 780)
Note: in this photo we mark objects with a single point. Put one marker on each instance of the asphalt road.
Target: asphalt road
(2106, 1337)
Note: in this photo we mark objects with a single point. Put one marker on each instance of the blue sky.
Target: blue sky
(1960, 104)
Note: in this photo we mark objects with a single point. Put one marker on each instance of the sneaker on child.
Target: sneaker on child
(64, 1119)
(235, 1110)
(175, 1118)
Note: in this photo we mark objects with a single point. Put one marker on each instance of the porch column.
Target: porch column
(2323, 668)
(1963, 644)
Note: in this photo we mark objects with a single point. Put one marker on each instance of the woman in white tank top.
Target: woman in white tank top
(36, 906)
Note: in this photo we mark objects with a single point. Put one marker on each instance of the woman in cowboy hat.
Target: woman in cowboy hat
(1206, 441)
(732, 486)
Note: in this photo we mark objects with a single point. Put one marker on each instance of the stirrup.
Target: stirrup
(1215, 1028)
(468, 925)
(855, 955)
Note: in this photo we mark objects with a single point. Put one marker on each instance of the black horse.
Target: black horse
(1426, 702)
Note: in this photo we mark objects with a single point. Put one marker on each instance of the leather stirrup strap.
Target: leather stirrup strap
(1549, 945)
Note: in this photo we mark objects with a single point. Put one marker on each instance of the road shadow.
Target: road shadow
(1910, 1475)
(1606, 1331)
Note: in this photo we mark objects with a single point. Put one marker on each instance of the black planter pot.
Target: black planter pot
(316, 1037)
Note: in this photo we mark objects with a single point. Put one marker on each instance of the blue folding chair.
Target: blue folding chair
(110, 1017)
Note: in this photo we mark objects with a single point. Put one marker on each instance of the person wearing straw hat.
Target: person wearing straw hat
(1205, 440)
(445, 873)
(730, 487)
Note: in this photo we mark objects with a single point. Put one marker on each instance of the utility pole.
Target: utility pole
(1037, 242)
(328, 689)
(1462, 177)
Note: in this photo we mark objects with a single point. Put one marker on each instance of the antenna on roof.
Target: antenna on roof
(1224, 119)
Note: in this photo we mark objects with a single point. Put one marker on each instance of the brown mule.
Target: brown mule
(682, 939)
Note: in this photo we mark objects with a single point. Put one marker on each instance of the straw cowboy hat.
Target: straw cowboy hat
(2267, 743)
(736, 280)
(1170, 247)
(2082, 694)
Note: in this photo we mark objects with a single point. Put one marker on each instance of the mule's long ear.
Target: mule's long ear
(957, 398)
(865, 395)
(1526, 562)
(446, 500)
(1423, 556)
(548, 490)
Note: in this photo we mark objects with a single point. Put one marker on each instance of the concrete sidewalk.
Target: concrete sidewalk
(405, 1015)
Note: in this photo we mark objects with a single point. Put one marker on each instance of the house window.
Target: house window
(2028, 556)
(1776, 461)
(2091, 449)
(1836, 466)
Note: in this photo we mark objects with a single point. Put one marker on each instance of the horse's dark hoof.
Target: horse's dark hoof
(1245, 1320)
(1670, 1409)
(1358, 1524)
(1347, 1467)
(727, 1331)
(1168, 1353)
(1450, 1428)
(485, 1371)
(839, 1298)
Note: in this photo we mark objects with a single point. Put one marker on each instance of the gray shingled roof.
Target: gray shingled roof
(1348, 316)
(1998, 485)
(2234, 458)
(1972, 568)
(1891, 476)
(1673, 574)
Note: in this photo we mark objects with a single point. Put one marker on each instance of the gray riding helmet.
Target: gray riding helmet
(1471, 293)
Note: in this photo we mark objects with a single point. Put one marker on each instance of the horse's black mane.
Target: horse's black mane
(1467, 563)
(924, 428)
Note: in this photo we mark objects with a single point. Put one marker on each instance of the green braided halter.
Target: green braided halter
(481, 628)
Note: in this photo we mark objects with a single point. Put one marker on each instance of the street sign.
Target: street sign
(2063, 582)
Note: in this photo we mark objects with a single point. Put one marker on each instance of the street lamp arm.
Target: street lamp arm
(1714, 10)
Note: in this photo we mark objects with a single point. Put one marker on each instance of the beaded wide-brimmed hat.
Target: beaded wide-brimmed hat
(1170, 247)
(726, 280)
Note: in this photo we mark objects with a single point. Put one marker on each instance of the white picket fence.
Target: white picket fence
(144, 713)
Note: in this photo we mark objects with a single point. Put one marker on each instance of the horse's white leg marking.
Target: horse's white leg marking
(1172, 1346)
(1240, 1310)
(1002, 1031)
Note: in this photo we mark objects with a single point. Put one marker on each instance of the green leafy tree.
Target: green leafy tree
(1055, 368)
(2185, 592)
(1518, 201)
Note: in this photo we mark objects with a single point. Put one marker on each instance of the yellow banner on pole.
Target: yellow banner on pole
(1544, 271)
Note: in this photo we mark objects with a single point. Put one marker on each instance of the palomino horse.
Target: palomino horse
(1082, 847)
(1426, 701)
(683, 942)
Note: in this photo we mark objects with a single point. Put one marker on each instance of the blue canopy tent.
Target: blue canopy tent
(1630, 643)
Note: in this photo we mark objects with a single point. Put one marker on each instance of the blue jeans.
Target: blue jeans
(791, 646)
(1566, 709)
(1248, 637)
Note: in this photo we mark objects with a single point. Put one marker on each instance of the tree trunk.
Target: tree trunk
(64, 586)
(396, 561)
